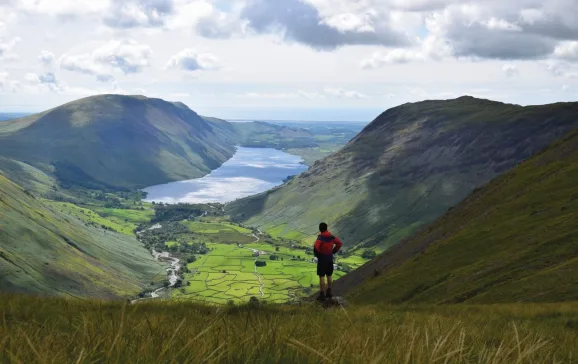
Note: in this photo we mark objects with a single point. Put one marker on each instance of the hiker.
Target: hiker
(325, 246)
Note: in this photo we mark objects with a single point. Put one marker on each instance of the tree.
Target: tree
(369, 254)
(253, 301)
(273, 257)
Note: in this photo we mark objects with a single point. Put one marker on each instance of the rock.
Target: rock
(335, 302)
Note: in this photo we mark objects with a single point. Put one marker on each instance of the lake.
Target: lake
(249, 172)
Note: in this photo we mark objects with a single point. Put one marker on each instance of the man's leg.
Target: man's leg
(322, 284)
(329, 283)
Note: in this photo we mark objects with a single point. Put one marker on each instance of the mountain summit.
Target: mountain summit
(406, 168)
(118, 141)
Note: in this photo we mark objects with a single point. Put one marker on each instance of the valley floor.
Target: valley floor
(49, 330)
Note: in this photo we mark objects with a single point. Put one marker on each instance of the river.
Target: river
(249, 172)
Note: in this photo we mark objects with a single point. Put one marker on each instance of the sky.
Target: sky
(330, 60)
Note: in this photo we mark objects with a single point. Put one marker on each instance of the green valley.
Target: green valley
(226, 262)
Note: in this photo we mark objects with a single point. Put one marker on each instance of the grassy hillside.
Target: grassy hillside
(114, 141)
(515, 240)
(73, 331)
(45, 251)
(407, 168)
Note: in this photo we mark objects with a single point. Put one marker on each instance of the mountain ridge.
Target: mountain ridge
(513, 240)
(406, 168)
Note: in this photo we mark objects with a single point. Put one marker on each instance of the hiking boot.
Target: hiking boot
(321, 297)
(329, 294)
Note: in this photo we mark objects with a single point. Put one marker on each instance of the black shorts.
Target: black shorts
(325, 267)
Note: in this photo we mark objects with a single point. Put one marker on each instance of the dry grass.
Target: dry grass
(40, 330)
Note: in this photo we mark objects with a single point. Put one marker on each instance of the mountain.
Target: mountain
(260, 134)
(514, 240)
(43, 251)
(115, 141)
(406, 168)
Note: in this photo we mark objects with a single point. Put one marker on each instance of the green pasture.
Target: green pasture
(228, 273)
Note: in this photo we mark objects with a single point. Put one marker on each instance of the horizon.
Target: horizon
(295, 60)
(302, 115)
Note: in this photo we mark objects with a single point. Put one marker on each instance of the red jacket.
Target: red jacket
(327, 244)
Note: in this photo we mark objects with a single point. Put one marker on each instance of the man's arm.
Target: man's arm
(337, 246)
(316, 248)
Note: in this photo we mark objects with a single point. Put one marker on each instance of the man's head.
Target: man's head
(323, 227)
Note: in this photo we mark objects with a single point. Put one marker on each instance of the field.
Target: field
(46, 330)
(228, 271)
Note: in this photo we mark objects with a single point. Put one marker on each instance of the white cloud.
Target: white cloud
(510, 70)
(46, 58)
(43, 82)
(561, 69)
(137, 13)
(60, 8)
(501, 24)
(125, 56)
(283, 95)
(567, 51)
(189, 60)
(379, 59)
(341, 93)
(7, 48)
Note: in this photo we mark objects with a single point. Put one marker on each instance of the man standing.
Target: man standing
(325, 246)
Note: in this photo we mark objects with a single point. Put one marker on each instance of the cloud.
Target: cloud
(276, 96)
(395, 56)
(126, 56)
(46, 58)
(301, 22)
(138, 13)
(346, 94)
(7, 48)
(61, 8)
(567, 51)
(510, 70)
(43, 82)
(430, 48)
(282, 95)
(561, 69)
(189, 60)
(483, 32)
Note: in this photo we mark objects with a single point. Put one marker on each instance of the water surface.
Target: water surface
(249, 172)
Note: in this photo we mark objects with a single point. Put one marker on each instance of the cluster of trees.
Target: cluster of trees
(260, 263)
(369, 254)
(183, 211)
(186, 248)
(157, 238)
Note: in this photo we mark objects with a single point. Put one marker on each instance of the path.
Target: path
(259, 278)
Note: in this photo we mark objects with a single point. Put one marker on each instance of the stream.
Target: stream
(172, 273)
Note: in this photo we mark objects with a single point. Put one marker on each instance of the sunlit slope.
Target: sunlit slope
(44, 251)
(118, 141)
(406, 169)
(514, 240)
